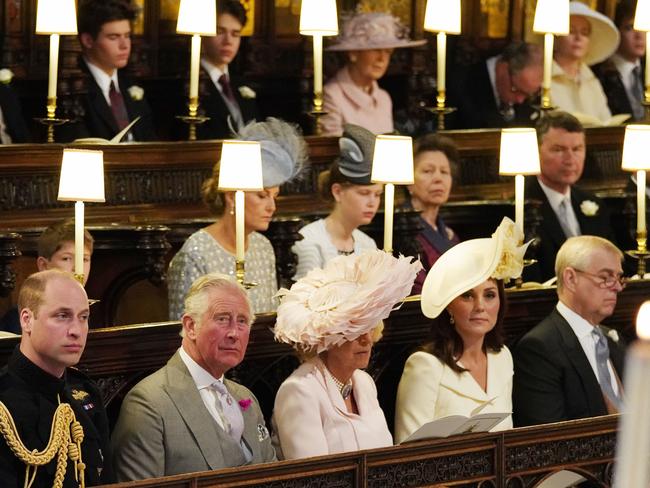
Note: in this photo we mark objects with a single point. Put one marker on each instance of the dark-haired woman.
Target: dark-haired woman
(356, 200)
(465, 368)
(212, 249)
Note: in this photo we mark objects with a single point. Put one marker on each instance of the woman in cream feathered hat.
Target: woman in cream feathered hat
(465, 367)
(332, 317)
(592, 38)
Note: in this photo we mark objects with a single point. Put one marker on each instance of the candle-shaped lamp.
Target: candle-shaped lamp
(197, 18)
(240, 170)
(642, 23)
(519, 156)
(392, 164)
(82, 180)
(633, 445)
(318, 19)
(443, 17)
(551, 18)
(636, 158)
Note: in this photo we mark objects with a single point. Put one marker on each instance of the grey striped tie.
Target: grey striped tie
(604, 377)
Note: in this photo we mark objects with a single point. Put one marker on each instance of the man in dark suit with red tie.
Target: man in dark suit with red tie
(229, 102)
(110, 100)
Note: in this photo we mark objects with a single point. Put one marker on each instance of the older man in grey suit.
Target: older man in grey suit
(186, 417)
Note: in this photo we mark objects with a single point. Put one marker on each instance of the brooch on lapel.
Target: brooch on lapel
(247, 92)
(262, 432)
(6, 75)
(613, 335)
(136, 92)
(589, 208)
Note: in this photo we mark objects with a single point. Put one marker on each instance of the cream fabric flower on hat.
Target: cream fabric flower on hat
(344, 300)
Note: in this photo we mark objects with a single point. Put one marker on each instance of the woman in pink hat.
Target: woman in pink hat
(353, 95)
(464, 368)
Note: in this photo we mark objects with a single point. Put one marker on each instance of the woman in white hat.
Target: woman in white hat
(212, 249)
(332, 317)
(592, 38)
(465, 367)
(353, 95)
(355, 202)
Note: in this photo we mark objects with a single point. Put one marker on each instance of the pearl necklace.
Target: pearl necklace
(344, 388)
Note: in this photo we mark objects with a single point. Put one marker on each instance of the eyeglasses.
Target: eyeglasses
(606, 282)
(517, 90)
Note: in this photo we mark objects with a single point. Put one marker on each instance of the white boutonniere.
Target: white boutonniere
(6, 76)
(136, 92)
(589, 208)
(613, 335)
(247, 92)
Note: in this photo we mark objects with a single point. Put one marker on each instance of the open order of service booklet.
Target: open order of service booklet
(457, 424)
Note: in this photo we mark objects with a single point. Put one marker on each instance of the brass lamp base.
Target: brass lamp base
(50, 122)
(239, 275)
(441, 112)
(192, 121)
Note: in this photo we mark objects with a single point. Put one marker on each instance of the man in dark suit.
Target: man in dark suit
(568, 366)
(622, 74)
(566, 209)
(497, 92)
(12, 123)
(187, 417)
(229, 102)
(111, 100)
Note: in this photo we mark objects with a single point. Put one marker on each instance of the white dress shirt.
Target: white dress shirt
(215, 73)
(491, 64)
(555, 200)
(103, 80)
(5, 138)
(583, 331)
(625, 67)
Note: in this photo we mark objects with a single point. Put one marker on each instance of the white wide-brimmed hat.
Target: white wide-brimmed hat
(344, 300)
(372, 30)
(471, 263)
(604, 38)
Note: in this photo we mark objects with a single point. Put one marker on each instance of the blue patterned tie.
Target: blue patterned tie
(604, 378)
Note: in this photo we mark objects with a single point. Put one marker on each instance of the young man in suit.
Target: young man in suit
(186, 417)
(497, 92)
(568, 366)
(229, 102)
(566, 209)
(111, 100)
(622, 74)
(13, 128)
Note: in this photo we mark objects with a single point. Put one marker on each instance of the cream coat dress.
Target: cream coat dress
(429, 390)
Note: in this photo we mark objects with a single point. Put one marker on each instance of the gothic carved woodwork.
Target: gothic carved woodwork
(9, 251)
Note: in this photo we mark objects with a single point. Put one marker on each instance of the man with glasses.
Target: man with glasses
(498, 92)
(566, 209)
(187, 417)
(569, 366)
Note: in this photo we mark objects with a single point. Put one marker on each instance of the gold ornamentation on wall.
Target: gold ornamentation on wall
(249, 28)
(495, 18)
(169, 11)
(138, 24)
(399, 8)
(287, 17)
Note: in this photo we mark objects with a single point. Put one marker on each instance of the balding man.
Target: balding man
(569, 366)
(186, 417)
(54, 311)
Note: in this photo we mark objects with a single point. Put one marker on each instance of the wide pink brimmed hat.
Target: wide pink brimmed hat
(344, 300)
(372, 30)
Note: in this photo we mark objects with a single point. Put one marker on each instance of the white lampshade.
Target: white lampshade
(519, 154)
(318, 17)
(442, 16)
(82, 176)
(240, 167)
(635, 148)
(552, 17)
(392, 161)
(643, 321)
(56, 17)
(642, 16)
(197, 17)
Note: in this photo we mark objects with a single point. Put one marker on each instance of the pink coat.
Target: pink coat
(346, 103)
(310, 417)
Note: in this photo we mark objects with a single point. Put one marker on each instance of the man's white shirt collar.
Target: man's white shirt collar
(213, 72)
(554, 197)
(103, 80)
(491, 64)
(201, 377)
(581, 327)
(625, 67)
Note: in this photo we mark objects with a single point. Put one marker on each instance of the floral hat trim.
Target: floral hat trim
(344, 300)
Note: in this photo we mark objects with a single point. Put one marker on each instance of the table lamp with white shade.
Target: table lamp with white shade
(642, 23)
(54, 18)
(551, 18)
(392, 164)
(82, 180)
(519, 156)
(240, 170)
(318, 18)
(637, 158)
(443, 17)
(197, 18)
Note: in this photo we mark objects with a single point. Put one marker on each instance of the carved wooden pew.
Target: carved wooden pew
(515, 458)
